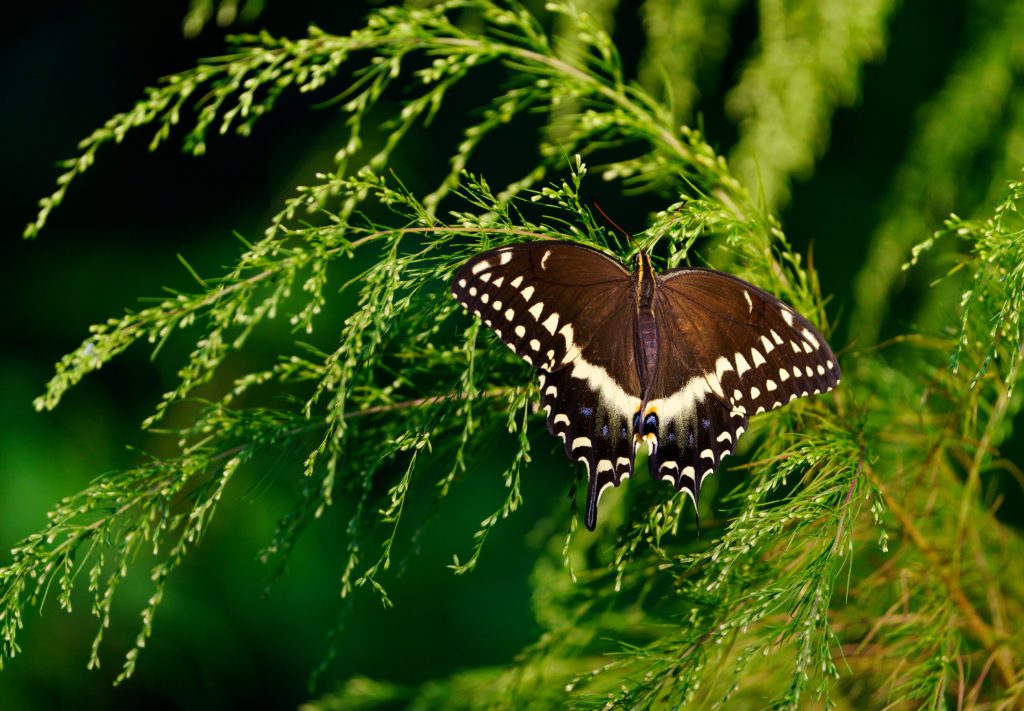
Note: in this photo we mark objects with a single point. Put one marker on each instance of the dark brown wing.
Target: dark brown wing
(569, 311)
(727, 350)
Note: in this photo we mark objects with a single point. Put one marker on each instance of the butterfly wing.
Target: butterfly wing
(569, 311)
(727, 350)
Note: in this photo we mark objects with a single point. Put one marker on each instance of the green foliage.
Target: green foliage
(978, 109)
(853, 564)
(809, 64)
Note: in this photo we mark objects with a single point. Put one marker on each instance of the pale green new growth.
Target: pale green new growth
(828, 569)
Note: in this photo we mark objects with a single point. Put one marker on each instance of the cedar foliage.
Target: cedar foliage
(858, 561)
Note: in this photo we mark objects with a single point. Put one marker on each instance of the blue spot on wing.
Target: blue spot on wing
(586, 411)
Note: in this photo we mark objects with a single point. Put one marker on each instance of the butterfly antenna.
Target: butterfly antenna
(613, 224)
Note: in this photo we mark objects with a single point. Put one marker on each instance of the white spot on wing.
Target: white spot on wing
(544, 259)
(506, 256)
(551, 324)
(750, 304)
(462, 283)
(783, 374)
(754, 393)
(768, 347)
(757, 357)
(572, 351)
(485, 277)
(481, 266)
(777, 338)
(605, 465)
(516, 282)
(581, 442)
(520, 331)
(741, 364)
(722, 366)
(708, 454)
(725, 436)
(715, 383)
(498, 282)
(787, 315)
(510, 314)
(535, 344)
(770, 384)
(527, 293)
(537, 309)
(560, 417)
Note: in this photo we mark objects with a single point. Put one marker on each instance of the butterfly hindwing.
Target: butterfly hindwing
(592, 431)
(688, 449)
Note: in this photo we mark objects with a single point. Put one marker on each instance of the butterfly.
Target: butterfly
(677, 361)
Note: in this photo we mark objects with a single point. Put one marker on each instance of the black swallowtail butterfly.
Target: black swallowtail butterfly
(678, 360)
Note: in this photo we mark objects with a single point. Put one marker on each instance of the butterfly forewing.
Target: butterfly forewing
(569, 311)
(727, 350)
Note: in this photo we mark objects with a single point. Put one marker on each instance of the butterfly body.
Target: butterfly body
(677, 361)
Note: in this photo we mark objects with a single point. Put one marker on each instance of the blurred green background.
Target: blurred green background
(218, 639)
